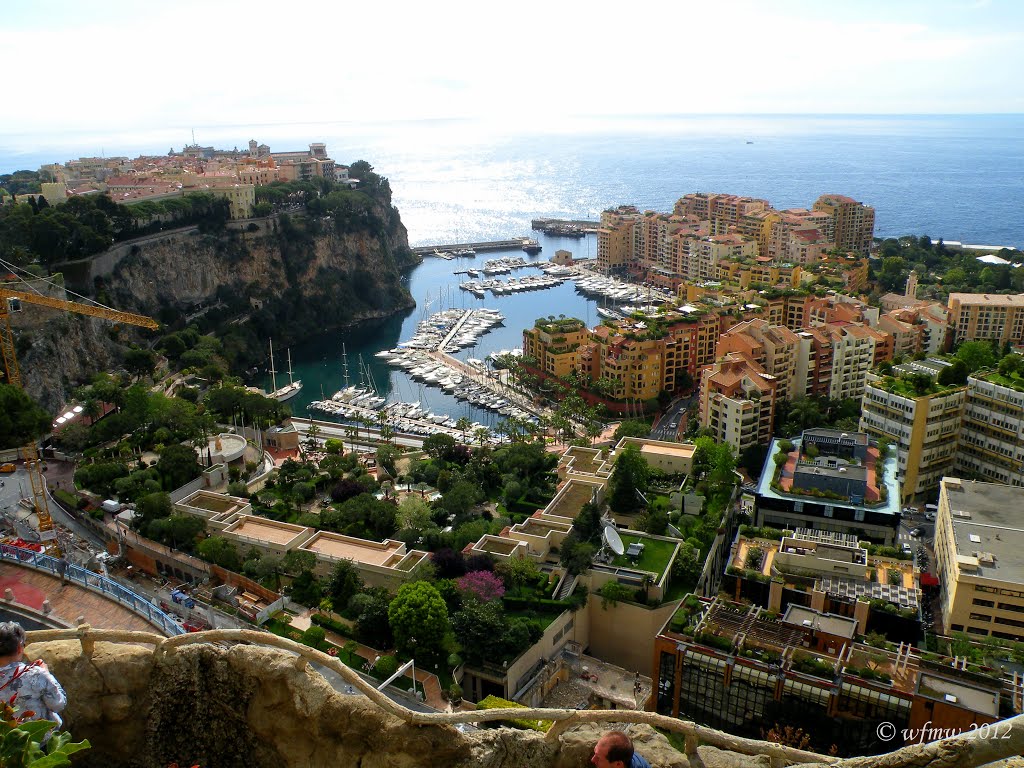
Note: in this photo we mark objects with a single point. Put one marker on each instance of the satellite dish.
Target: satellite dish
(612, 539)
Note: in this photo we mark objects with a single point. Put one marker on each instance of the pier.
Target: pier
(524, 243)
(565, 227)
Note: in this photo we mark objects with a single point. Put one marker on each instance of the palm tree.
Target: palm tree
(312, 433)
(463, 424)
(482, 435)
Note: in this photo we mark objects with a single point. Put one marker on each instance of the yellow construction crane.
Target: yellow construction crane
(10, 301)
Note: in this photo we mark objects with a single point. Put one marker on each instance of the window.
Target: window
(985, 603)
(980, 617)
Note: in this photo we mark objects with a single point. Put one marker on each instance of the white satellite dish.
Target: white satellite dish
(613, 540)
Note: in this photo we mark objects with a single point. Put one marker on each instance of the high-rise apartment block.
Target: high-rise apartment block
(737, 402)
(991, 436)
(984, 316)
(920, 417)
(853, 222)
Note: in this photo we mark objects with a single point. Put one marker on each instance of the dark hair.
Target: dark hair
(620, 747)
(12, 636)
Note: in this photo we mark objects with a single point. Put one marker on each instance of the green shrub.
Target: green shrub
(385, 667)
(494, 702)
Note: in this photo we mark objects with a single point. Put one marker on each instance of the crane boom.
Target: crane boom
(81, 309)
(33, 466)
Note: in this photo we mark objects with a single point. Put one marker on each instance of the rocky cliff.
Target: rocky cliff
(286, 277)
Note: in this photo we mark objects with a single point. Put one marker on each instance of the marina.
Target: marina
(434, 283)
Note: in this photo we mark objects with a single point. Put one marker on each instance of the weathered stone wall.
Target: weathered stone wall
(195, 702)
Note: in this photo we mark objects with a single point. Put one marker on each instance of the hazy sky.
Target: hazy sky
(94, 66)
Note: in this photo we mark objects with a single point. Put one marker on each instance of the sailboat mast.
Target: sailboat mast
(344, 364)
(290, 379)
(273, 373)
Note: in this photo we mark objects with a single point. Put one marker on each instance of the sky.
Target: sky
(80, 67)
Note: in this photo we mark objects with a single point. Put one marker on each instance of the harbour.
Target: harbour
(435, 285)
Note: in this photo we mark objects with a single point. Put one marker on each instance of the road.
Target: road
(672, 422)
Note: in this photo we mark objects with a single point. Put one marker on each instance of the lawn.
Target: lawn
(655, 557)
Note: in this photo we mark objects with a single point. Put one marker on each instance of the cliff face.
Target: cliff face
(285, 278)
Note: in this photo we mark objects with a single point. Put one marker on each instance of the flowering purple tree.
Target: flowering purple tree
(483, 585)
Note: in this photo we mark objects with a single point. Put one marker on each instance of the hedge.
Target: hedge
(334, 625)
(526, 604)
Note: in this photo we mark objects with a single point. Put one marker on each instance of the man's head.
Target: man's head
(12, 638)
(613, 750)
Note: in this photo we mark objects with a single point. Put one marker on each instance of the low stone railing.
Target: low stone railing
(975, 748)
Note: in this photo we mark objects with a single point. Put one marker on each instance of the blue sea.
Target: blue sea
(958, 177)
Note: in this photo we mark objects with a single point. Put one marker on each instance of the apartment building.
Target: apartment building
(856, 349)
(737, 401)
(706, 253)
(724, 210)
(853, 222)
(923, 425)
(830, 481)
(761, 270)
(983, 316)
(556, 345)
(979, 558)
(774, 347)
(991, 437)
(615, 239)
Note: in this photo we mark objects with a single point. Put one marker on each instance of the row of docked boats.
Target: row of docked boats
(617, 290)
(504, 266)
(457, 253)
(481, 393)
(513, 285)
(449, 330)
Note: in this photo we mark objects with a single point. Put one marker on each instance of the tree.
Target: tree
(629, 481)
(576, 556)
(220, 551)
(414, 513)
(976, 355)
(21, 419)
(177, 465)
(151, 507)
(954, 374)
(438, 446)
(588, 525)
(372, 626)
(631, 428)
(344, 583)
(481, 585)
(517, 572)
(139, 362)
(419, 620)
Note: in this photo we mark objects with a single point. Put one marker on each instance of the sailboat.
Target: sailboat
(289, 390)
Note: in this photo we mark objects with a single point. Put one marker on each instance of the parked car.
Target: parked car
(917, 532)
(905, 549)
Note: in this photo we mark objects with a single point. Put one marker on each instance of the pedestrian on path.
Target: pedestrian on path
(62, 569)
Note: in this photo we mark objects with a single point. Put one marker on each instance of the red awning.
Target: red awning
(927, 580)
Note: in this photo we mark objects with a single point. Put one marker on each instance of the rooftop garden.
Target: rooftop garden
(655, 557)
(561, 324)
(914, 385)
